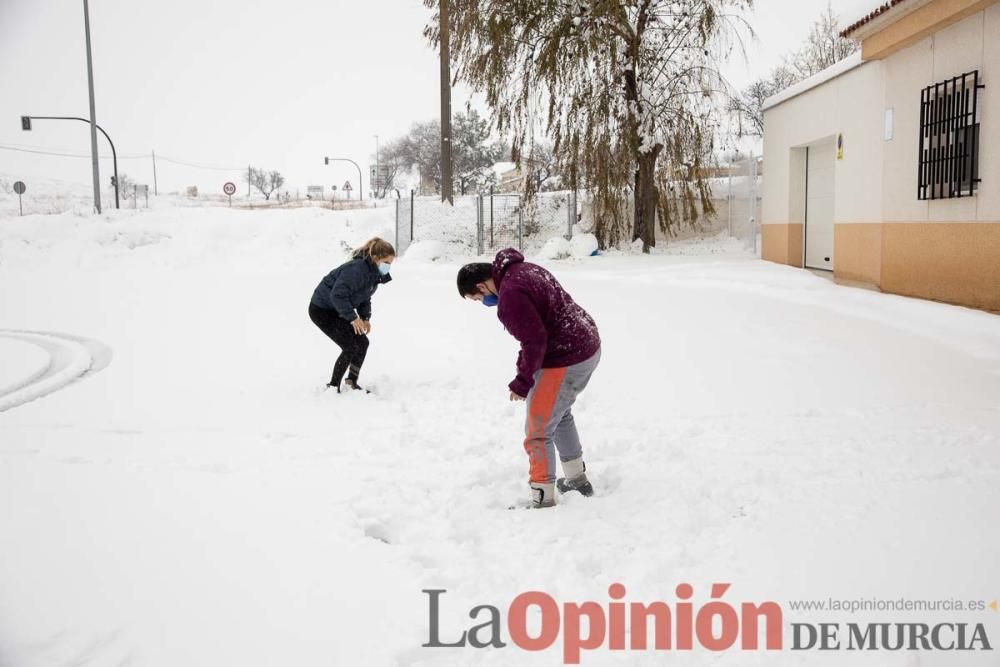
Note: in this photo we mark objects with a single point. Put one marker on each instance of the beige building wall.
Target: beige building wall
(947, 250)
(989, 163)
(844, 105)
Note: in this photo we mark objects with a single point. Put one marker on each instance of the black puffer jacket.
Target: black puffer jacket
(348, 289)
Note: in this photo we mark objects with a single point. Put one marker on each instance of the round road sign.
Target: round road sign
(229, 189)
(19, 188)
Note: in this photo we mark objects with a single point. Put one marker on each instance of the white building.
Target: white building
(885, 168)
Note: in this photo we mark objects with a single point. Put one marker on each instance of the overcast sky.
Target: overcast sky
(230, 82)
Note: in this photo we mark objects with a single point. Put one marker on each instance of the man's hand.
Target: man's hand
(368, 326)
(359, 326)
(515, 397)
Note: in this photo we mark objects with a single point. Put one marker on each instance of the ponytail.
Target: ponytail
(375, 247)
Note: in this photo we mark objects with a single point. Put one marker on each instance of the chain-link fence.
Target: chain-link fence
(486, 222)
(738, 200)
(404, 224)
(499, 222)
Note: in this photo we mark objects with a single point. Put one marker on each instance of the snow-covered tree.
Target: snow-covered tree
(542, 166)
(126, 186)
(265, 181)
(391, 162)
(748, 107)
(625, 90)
(823, 48)
(474, 152)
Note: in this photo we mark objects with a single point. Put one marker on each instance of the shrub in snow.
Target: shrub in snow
(583, 245)
(555, 248)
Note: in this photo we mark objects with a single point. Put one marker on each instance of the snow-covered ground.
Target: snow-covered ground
(201, 501)
(20, 363)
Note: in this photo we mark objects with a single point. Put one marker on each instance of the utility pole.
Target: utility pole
(93, 112)
(444, 29)
(155, 190)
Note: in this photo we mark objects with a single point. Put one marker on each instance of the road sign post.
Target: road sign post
(230, 189)
(347, 188)
(19, 189)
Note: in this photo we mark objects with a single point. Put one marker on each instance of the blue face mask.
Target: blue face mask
(384, 267)
(491, 300)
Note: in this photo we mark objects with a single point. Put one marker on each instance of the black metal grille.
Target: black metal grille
(949, 138)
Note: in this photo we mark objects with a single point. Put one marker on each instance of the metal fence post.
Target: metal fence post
(729, 196)
(493, 243)
(520, 223)
(576, 207)
(752, 196)
(479, 223)
(569, 216)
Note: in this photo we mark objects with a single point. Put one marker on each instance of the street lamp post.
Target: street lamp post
(93, 114)
(361, 187)
(26, 125)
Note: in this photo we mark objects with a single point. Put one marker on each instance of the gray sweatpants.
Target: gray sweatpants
(549, 425)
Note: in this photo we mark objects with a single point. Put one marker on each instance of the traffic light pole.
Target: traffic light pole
(114, 155)
(361, 187)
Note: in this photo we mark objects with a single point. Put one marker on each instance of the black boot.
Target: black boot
(353, 384)
(576, 478)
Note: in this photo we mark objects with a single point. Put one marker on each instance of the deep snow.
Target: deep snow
(202, 501)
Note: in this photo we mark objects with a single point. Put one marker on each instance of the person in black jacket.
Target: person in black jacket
(341, 306)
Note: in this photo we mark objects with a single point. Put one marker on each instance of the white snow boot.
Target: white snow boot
(576, 477)
(542, 496)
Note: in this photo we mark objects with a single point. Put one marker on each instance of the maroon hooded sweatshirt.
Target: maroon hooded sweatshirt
(553, 330)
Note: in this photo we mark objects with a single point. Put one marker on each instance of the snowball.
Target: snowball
(556, 248)
(583, 245)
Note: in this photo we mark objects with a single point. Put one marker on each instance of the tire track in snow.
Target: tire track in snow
(71, 358)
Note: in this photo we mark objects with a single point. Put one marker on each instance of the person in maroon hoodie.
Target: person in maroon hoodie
(560, 348)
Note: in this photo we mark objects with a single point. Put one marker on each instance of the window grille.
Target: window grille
(949, 138)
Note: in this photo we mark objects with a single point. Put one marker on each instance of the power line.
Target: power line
(199, 166)
(183, 163)
(78, 155)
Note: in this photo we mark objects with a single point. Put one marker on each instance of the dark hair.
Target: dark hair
(471, 275)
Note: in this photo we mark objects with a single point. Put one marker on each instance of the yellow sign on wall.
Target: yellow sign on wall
(840, 147)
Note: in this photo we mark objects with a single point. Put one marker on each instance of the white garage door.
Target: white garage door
(819, 205)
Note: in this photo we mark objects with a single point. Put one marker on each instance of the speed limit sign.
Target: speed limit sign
(230, 189)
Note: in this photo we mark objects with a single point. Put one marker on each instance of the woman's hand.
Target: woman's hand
(516, 397)
(368, 326)
(359, 326)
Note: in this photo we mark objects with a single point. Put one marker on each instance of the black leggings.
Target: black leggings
(354, 347)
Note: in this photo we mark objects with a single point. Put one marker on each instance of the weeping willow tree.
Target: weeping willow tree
(626, 90)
